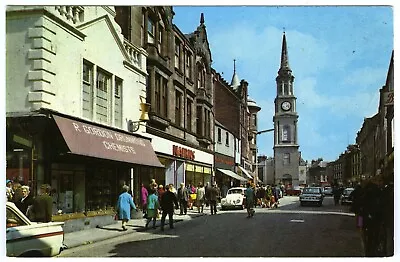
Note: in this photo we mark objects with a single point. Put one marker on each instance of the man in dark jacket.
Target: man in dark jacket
(168, 202)
(213, 194)
(42, 205)
(183, 196)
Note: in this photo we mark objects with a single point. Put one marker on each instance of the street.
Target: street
(289, 231)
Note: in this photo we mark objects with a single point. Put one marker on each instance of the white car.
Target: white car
(25, 238)
(235, 198)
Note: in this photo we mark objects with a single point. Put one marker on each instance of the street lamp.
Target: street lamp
(260, 132)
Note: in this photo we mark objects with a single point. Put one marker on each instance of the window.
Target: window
(199, 120)
(219, 135)
(188, 65)
(177, 54)
(150, 31)
(87, 90)
(227, 139)
(286, 134)
(178, 107)
(142, 30)
(189, 115)
(160, 95)
(160, 38)
(207, 120)
(102, 96)
(286, 159)
(118, 102)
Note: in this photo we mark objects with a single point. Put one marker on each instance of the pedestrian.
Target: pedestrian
(183, 197)
(250, 196)
(25, 201)
(200, 197)
(9, 190)
(42, 206)
(224, 190)
(152, 208)
(213, 194)
(143, 196)
(168, 202)
(124, 205)
(206, 188)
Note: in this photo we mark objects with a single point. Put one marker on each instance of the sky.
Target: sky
(339, 56)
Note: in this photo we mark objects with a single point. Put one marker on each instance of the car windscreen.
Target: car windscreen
(235, 191)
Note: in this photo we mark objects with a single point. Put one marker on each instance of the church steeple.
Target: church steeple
(235, 83)
(284, 57)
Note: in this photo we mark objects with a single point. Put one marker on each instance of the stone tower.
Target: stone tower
(286, 148)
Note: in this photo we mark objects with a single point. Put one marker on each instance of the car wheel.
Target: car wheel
(223, 208)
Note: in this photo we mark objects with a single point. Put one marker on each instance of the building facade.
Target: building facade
(179, 91)
(73, 83)
(286, 147)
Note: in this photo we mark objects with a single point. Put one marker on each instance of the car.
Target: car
(345, 196)
(328, 191)
(235, 198)
(25, 238)
(293, 191)
(311, 195)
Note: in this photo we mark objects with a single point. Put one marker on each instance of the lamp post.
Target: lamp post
(260, 132)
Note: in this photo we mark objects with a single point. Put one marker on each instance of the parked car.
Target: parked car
(311, 195)
(328, 191)
(25, 238)
(235, 198)
(345, 196)
(293, 191)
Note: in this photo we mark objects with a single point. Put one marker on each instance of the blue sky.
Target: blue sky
(339, 57)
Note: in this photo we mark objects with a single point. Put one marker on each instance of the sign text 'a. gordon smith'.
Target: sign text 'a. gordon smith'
(183, 152)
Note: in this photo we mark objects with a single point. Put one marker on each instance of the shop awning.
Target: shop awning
(232, 174)
(245, 172)
(95, 141)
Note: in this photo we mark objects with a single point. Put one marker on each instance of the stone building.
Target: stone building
(180, 93)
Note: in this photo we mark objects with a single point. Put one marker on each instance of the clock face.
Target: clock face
(286, 105)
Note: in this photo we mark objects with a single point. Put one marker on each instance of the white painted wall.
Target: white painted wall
(221, 147)
(64, 45)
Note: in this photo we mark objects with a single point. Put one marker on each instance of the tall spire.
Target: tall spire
(235, 83)
(202, 18)
(284, 55)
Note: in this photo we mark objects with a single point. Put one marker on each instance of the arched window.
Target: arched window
(286, 137)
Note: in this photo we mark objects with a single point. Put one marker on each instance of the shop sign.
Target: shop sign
(183, 152)
(224, 160)
(89, 140)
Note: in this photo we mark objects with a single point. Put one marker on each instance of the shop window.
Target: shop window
(102, 189)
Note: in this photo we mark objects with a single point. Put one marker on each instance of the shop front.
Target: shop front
(86, 164)
(225, 172)
(183, 164)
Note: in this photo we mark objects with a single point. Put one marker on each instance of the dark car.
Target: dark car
(345, 197)
(311, 195)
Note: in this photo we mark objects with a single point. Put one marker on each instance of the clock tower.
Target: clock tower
(286, 148)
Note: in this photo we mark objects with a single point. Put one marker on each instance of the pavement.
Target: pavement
(89, 236)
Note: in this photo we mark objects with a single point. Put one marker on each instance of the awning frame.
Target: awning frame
(231, 174)
(245, 172)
